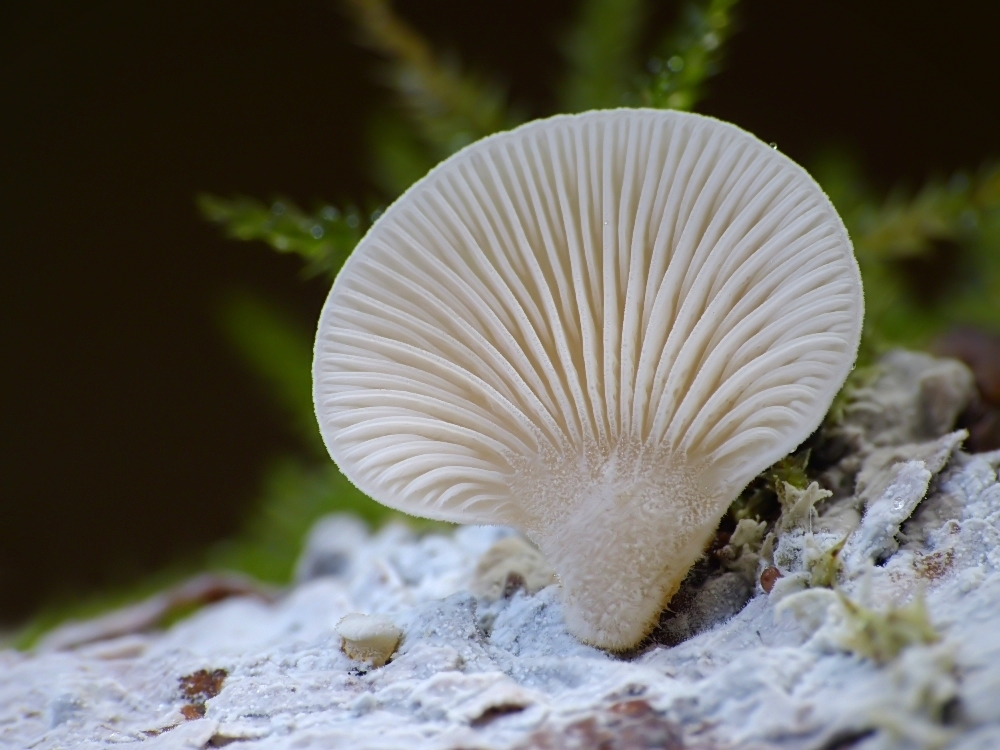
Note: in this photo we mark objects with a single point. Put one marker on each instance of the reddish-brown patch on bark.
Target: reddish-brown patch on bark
(192, 711)
(768, 577)
(495, 712)
(202, 685)
(197, 688)
(934, 565)
(629, 725)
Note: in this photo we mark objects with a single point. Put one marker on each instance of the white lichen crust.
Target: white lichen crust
(903, 654)
(595, 328)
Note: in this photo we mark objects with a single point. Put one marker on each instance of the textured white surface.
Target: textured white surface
(595, 328)
(507, 674)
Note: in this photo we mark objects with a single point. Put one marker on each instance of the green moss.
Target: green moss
(882, 635)
(323, 238)
(761, 498)
(601, 54)
(689, 55)
(824, 566)
(448, 106)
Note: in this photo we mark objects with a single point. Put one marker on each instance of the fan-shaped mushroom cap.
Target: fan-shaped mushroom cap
(596, 328)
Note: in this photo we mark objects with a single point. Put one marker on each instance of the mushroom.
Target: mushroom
(368, 638)
(597, 329)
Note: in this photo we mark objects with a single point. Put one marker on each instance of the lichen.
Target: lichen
(881, 635)
(834, 618)
(798, 506)
(823, 565)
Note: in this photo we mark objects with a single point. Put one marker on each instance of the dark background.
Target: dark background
(130, 433)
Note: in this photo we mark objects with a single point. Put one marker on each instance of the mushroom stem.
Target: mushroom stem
(646, 520)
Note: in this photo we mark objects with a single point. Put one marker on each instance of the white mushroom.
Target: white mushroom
(368, 638)
(595, 328)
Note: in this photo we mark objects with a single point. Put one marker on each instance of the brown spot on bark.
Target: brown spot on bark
(192, 711)
(629, 725)
(158, 732)
(495, 712)
(199, 686)
(221, 740)
(934, 565)
(768, 577)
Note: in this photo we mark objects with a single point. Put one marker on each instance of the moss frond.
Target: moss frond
(689, 55)
(323, 239)
(880, 635)
(451, 106)
(601, 55)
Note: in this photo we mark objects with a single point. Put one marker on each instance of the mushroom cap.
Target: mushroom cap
(596, 328)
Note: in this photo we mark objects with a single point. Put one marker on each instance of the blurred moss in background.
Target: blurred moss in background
(930, 258)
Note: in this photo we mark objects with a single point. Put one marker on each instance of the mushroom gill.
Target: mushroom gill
(596, 328)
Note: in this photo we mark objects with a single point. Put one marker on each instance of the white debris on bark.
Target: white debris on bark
(503, 672)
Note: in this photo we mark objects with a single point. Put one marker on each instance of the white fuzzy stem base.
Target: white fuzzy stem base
(629, 530)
